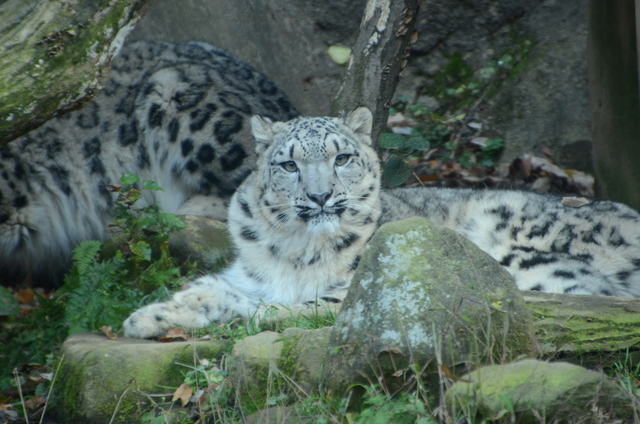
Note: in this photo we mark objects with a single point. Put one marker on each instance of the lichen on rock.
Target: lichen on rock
(423, 292)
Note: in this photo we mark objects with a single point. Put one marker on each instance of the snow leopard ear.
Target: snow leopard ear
(360, 121)
(262, 130)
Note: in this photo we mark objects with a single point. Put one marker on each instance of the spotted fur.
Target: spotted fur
(176, 114)
(299, 222)
(545, 245)
(301, 219)
(180, 114)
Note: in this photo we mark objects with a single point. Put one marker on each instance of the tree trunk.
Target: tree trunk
(379, 55)
(615, 100)
(585, 328)
(54, 54)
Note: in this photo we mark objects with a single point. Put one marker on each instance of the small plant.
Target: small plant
(380, 408)
(433, 144)
(104, 285)
(103, 291)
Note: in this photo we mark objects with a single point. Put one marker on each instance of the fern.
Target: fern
(103, 291)
(84, 256)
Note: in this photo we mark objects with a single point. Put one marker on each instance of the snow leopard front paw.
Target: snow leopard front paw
(148, 321)
(155, 319)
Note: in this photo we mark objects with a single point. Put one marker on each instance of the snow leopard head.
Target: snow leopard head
(318, 173)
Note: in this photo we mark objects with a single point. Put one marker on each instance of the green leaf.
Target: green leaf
(417, 143)
(8, 303)
(391, 141)
(395, 172)
(493, 145)
(487, 163)
(129, 179)
(141, 249)
(172, 222)
(151, 185)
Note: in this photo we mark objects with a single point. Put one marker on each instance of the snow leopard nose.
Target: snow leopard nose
(320, 198)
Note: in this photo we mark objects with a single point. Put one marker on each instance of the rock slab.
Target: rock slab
(100, 378)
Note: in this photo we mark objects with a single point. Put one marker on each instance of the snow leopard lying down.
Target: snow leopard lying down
(176, 114)
(301, 219)
(179, 115)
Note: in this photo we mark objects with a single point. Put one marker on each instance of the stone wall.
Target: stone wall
(287, 40)
(546, 102)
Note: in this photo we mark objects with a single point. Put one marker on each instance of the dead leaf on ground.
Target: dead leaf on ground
(183, 392)
(34, 402)
(574, 202)
(25, 296)
(108, 331)
(174, 334)
(398, 373)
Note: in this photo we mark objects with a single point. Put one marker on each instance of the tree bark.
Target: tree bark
(54, 54)
(584, 328)
(615, 99)
(377, 58)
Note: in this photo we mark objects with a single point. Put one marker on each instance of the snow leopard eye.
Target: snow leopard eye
(342, 159)
(289, 166)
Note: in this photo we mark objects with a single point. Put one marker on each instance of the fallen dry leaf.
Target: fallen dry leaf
(574, 202)
(108, 331)
(25, 296)
(398, 373)
(183, 392)
(174, 334)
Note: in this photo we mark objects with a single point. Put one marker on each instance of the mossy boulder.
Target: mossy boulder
(269, 364)
(204, 241)
(423, 292)
(100, 378)
(536, 391)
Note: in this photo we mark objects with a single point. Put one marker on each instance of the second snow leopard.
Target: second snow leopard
(176, 114)
(302, 218)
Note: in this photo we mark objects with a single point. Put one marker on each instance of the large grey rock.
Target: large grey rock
(545, 102)
(536, 391)
(100, 378)
(204, 242)
(421, 294)
(286, 40)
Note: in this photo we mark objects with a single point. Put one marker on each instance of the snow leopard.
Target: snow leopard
(300, 222)
(305, 191)
(176, 114)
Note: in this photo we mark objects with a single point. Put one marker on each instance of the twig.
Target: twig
(53, 380)
(24, 407)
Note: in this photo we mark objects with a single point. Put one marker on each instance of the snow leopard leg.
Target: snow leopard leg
(208, 299)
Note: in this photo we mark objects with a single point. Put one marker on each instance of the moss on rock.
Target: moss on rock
(530, 390)
(421, 290)
(54, 54)
(100, 377)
